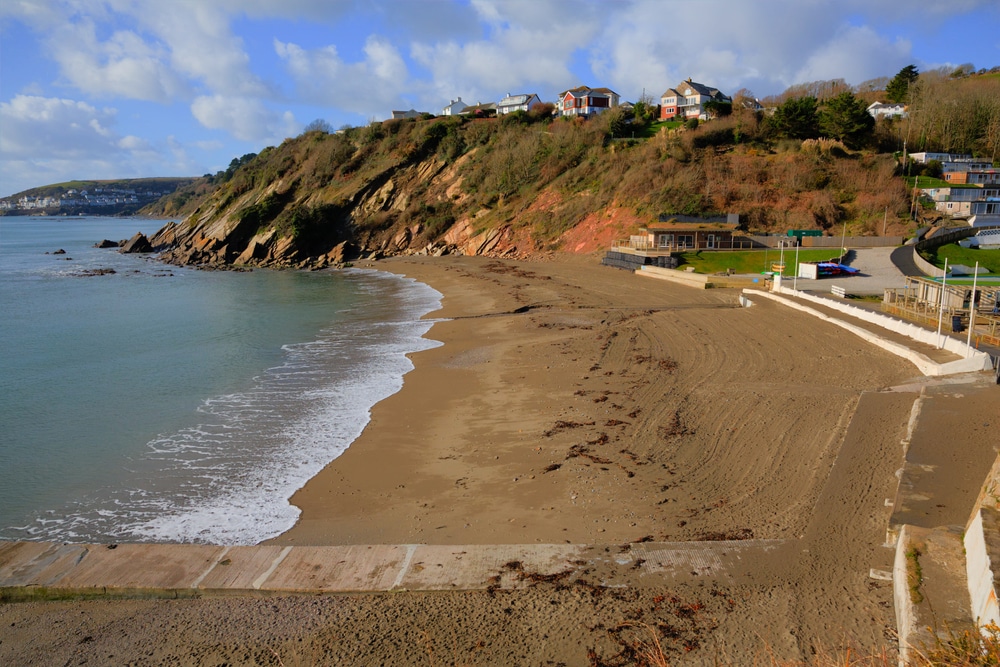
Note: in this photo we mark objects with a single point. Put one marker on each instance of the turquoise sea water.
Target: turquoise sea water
(167, 404)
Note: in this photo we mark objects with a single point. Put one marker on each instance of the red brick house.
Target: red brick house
(585, 101)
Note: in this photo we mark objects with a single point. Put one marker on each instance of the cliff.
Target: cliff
(516, 186)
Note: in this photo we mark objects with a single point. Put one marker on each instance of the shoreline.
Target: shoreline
(574, 403)
(556, 411)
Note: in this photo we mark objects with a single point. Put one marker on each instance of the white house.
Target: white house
(924, 158)
(688, 100)
(882, 110)
(454, 108)
(513, 103)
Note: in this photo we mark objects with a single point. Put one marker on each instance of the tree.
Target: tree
(796, 118)
(318, 125)
(963, 71)
(614, 122)
(645, 111)
(744, 99)
(717, 109)
(898, 89)
(845, 117)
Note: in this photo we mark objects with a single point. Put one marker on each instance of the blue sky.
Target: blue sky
(95, 89)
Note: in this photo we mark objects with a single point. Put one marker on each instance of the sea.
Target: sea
(141, 402)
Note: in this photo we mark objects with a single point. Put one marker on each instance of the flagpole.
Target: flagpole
(795, 280)
(972, 312)
(944, 284)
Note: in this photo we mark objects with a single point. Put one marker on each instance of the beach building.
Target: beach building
(680, 233)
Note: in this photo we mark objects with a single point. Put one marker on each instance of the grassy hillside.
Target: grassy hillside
(549, 184)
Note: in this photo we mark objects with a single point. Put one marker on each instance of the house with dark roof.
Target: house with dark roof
(586, 101)
(412, 113)
(688, 101)
(684, 232)
(512, 103)
(480, 110)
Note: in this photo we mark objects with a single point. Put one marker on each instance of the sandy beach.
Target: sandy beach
(573, 403)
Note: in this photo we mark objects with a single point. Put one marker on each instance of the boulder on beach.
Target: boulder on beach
(108, 243)
(138, 243)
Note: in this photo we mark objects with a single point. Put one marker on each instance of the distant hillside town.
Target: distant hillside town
(116, 198)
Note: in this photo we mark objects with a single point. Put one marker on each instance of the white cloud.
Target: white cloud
(367, 87)
(45, 127)
(133, 143)
(244, 118)
(528, 49)
(855, 55)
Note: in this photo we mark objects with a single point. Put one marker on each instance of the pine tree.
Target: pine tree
(899, 87)
(796, 118)
(846, 118)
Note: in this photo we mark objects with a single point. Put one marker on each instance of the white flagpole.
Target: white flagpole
(795, 280)
(972, 312)
(944, 283)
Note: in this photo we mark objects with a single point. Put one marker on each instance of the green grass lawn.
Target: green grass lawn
(956, 254)
(928, 182)
(752, 261)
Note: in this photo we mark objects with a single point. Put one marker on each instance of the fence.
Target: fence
(828, 241)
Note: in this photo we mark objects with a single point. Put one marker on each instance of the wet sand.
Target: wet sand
(576, 403)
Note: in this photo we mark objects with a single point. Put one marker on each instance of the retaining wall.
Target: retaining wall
(974, 360)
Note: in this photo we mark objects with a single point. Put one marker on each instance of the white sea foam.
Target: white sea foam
(252, 472)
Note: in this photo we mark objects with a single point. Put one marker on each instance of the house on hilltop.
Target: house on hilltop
(454, 107)
(688, 101)
(512, 103)
(586, 101)
(480, 110)
(412, 113)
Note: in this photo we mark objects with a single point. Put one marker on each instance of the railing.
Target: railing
(739, 243)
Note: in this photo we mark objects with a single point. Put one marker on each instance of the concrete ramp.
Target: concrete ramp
(38, 570)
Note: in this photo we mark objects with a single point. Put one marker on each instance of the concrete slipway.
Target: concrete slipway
(40, 570)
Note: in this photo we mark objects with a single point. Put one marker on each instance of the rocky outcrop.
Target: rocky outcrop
(279, 213)
(107, 243)
(137, 244)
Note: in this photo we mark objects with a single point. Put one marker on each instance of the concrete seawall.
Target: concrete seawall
(963, 361)
(30, 570)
